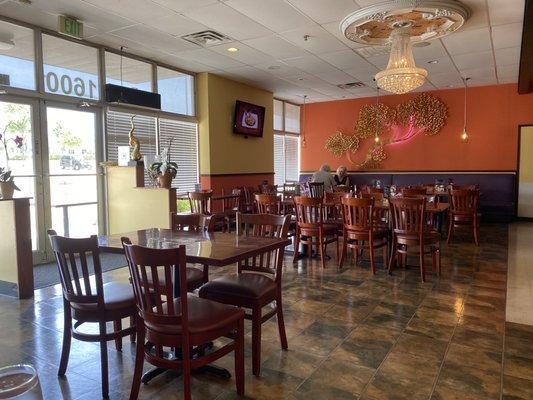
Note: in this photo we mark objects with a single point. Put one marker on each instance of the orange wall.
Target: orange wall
(494, 113)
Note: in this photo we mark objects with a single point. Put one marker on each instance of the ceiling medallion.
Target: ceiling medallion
(401, 23)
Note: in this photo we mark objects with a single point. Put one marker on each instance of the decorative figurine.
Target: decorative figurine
(135, 144)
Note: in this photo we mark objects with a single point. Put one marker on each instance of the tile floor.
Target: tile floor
(351, 336)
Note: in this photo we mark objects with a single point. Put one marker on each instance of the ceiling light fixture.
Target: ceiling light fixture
(233, 49)
(433, 62)
(464, 135)
(303, 143)
(401, 74)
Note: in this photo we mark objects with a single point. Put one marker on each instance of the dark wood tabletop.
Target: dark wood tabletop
(217, 249)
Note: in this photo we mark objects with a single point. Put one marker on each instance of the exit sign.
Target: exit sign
(70, 26)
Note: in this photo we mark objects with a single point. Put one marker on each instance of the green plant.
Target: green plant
(160, 168)
(5, 177)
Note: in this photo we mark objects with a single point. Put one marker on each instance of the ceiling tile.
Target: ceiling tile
(154, 39)
(506, 11)
(319, 40)
(509, 35)
(275, 46)
(186, 64)
(463, 42)
(228, 21)
(336, 77)
(175, 24)
(185, 5)
(473, 60)
(135, 10)
(345, 59)
(508, 71)
(443, 65)
(477, 73)
(325, 11)
(508, 56)
(210, 58)
(245, 54)
(311, 64)
(335, 30)
(442, 80)
(276, 15)
(279, 69)
(479, 16)
(427, 53)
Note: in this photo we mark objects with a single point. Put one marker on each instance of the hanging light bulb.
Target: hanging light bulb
(464, 135)
(303, 142)
(376, 137)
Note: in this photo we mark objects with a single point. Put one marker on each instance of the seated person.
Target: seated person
(342, 178)
(324, 175)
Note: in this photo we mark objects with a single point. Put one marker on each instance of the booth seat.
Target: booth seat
(498, 189)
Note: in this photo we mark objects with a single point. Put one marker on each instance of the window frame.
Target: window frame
(284, 133)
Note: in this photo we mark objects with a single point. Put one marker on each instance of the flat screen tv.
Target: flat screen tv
(249, 119)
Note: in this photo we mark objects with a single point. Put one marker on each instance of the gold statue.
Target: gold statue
(135, 144)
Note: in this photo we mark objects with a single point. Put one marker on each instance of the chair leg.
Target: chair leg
(337, 244)
(371, 251)
(256, 341)
(186, 372)
(132, 323)
(206, 274)
(296, 246)
(139, 362)
(393, 256)
(422, 268)
(322, 251)
(343, 251)
(385, 254)
(117, 326)
(450, 229)
(104, 361)
(67, 337)
(239, 358)
(476, 232)
(281, 323)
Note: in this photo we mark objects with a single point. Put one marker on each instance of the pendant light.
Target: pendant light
(302, 125)
(376, 136)
(464, 135)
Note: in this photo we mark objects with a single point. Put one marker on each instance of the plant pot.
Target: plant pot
(6, 190)
(165, 180)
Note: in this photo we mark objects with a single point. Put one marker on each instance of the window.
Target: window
(125, 71)
(152, 131)
(286, 142)
(17, 59)
(70, 69)
(176, 90)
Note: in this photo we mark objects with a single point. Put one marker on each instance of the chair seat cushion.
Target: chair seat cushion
(204, 316)
(116, 296)
(195, 279)
(236, 289)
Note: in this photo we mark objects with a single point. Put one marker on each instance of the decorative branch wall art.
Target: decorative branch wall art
(387, 126)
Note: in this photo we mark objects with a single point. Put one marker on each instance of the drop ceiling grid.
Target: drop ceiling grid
(138, 29)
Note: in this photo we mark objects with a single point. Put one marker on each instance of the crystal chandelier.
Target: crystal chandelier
(401, 74)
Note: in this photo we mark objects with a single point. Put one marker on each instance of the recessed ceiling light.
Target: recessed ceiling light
(233, 49)
(433, 62)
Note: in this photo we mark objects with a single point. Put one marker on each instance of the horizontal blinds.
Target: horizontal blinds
(291, 158)
(183, 151)
(279, 160)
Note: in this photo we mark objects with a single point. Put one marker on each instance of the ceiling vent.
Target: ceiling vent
(351, 85)
(207, 38)
(373, 51)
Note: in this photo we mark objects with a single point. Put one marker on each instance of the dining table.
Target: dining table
(217, 249)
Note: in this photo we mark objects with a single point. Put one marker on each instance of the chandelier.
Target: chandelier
(401, 74)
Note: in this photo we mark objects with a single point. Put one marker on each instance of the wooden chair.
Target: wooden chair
(248, 205)
(316, 189)
(257, 282)
(414, 191)
(230, 206)
(200, 202)
(268, 204)
(342, 188)
(359, 226)
(90, 301)
(463, 212)
(409, 229)
(311, 229)
(268, 189)
(333, 206)
(170, 317)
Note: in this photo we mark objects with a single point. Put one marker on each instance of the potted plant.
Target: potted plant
(165, 170)
(7, 184)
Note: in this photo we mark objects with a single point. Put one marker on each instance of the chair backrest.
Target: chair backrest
(200, 202)
(268, 204)
(408, 215)
(231, 201)
(152, 275)
(342, 188)
(264, 225)
(377, 196)
(192, 222)
(268, 189)
(316, 189)
(77, 260)
(414, 191)
(309, 212)
(464, 201)
(357, 214)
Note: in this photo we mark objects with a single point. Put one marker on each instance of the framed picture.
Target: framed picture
(249, 119)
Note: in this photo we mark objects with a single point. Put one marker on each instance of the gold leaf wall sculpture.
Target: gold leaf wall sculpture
(339, 143)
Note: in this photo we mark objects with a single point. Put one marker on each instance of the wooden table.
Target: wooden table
(216, 249)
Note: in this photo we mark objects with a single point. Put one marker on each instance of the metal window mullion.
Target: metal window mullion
(38, 60)
(154, 77)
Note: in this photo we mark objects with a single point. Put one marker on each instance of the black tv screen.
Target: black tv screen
(249, 119)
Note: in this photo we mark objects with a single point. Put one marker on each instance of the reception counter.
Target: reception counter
(16, 266)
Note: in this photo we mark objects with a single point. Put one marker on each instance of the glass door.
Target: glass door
(73, 183)
(20, 153)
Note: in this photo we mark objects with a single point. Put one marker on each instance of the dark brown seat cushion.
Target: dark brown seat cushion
(243, 286)
(116, 296)
(195, 279)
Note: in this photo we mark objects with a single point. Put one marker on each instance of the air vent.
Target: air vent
(207, 38)
(351, 85)
(373, 51)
